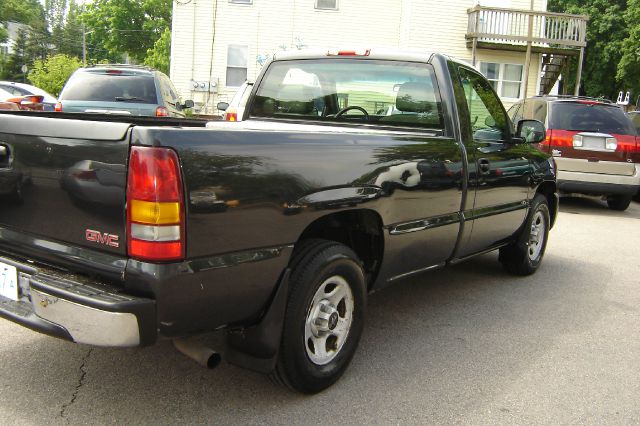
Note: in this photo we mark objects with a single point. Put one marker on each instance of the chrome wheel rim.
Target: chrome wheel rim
(536, 237)
(329, 320)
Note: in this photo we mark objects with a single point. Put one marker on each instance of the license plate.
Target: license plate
(8, 281)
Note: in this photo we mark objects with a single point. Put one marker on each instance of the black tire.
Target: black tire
(619, 202)
(521, 257)
(314, 264)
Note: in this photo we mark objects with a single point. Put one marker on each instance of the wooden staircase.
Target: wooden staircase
(553, 65)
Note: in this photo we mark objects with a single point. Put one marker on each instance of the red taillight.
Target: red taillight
(148, 250)
(560, 138)
(162, 112)
(58, 107)
(155, 207)
(114, 72)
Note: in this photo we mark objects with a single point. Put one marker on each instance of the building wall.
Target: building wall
(268, 26)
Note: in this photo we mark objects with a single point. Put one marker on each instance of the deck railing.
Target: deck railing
(513, 26)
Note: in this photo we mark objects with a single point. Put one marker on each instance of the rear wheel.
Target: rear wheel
(523, 257)
(324, 316)
(619, 202)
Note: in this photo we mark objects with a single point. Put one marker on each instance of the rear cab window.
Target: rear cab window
(386, 93)
(104, 86)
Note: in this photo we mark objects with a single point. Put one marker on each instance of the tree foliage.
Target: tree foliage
(629, 66)
(52, 73)
(128, 26)
(609, 40)
(28, 12)
(138, 29)
(12, 70)
(158, 57)
(3, 33)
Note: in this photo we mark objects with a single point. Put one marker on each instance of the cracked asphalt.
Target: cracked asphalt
(465, 345)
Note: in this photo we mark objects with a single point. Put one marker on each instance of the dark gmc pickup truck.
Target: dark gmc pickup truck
(350, 172)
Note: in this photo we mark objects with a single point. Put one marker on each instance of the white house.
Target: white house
(217, 44)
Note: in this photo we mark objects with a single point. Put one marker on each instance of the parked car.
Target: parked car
(273, 230)
(234, 111)
(593, 143)
(22, 89)
(121, 89)
(20, 102)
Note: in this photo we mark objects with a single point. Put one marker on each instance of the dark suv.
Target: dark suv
(121, 89)
(593, 143)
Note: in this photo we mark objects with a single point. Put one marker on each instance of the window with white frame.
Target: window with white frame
(327, 4)
(4, 50)
(506, 79)
(237, 56)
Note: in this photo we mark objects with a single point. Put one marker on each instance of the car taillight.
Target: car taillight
(162, 112)
(231, 115)
(58, 107)
(560, 138)
(155, 206)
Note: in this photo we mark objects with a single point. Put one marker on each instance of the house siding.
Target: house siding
(266, 27)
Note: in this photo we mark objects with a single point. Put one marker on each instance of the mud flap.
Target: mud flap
(256, 347)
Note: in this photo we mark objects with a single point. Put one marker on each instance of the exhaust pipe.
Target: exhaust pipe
(198, 352)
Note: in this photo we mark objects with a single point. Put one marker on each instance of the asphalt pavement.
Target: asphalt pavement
(466, 345)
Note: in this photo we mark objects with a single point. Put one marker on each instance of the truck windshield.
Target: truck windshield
(590, 117)
(388, 93)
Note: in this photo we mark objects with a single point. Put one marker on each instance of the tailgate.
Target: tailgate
(592, 137)
(64, 180)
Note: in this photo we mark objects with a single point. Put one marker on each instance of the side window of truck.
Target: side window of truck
(488, 119)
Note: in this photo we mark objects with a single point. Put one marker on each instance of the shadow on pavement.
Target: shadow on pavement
(467, 328)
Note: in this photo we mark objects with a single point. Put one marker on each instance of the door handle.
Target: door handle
(484, 166)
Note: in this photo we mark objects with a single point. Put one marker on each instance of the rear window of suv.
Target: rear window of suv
(590, 117)
(103, 87)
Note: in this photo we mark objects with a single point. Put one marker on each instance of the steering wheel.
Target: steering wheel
(349, 108)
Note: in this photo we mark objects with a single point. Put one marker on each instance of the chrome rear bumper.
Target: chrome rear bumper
(73, 308)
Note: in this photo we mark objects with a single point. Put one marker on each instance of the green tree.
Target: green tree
(127, 26)
(28, 12)
(13, 67)
(606, 33)
(69, 40)
(629, 65)
(159, 56)
(3, 34)
(51, 74)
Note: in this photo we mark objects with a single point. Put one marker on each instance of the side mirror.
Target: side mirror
(187, 104)
(531, 131)
(222, 106)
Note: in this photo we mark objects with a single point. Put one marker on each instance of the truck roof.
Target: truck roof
(377, 53)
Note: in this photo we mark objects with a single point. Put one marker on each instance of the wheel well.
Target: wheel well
(360, 230)
(548, 189)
